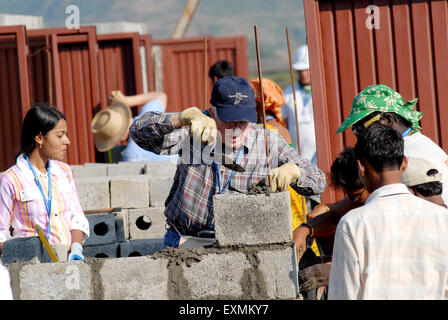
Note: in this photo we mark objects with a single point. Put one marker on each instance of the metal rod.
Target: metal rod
(296, 113)
(293, 91)
(205, 73)
(262, 105)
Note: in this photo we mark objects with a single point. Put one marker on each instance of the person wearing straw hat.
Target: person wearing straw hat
(304, 102)
(110, 126)
(229, 126)
(150, 101)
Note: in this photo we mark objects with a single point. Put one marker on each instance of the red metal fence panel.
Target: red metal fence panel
(14, 93)
(76, 70)
(347, 53)
(183, 67)
(74, 81)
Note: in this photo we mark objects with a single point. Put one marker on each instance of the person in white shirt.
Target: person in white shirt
(378, 103)
(396, 245)
(304, 106)
(5, 284)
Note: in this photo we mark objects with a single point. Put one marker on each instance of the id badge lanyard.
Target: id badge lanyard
(220, 191)
(50, 194)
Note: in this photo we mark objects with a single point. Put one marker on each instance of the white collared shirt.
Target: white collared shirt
(393, 247)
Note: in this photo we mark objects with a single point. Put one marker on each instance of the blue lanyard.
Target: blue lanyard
(50, 194)
(404, 134)
(231, 174)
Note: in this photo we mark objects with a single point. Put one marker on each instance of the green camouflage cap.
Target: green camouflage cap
(383, 99)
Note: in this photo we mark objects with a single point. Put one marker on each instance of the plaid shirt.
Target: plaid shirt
(189, 205)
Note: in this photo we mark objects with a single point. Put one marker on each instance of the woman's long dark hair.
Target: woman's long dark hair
(41, 118)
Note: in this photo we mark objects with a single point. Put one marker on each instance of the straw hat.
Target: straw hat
(110, 125)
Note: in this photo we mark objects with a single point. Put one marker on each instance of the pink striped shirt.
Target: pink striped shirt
(22, 205)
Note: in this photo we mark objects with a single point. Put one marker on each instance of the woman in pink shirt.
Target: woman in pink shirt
(39, 189)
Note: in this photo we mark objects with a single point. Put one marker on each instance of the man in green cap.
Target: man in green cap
(378, 103)
(381, 103)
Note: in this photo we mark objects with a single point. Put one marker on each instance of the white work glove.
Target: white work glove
(76, 252)
(201, 126)
(283, 176)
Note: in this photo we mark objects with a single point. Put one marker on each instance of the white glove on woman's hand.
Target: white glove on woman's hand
(75, 252)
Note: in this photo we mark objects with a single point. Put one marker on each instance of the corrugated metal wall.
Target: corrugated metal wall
(71, 81)
(14, 94)
(183, 67)
(408, 52)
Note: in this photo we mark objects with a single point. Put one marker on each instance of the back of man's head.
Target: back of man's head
(221, 69)
(381, 146)
(344, 170)
(422, 177)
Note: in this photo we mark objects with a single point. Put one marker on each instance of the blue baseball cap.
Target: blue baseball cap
(234, 99)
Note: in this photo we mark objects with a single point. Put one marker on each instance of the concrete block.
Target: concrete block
(52, 281)
(126, 169)
(140, 247)
(101, 251)
(121, 225)
(146, 223)
(129, 191)
(252, 219)
(89, 171)
(159, 190)
(280, 272)
(137, 278)
(26, 248)
(217, 276)
(102, 229)
(165, 169)
(93, 193)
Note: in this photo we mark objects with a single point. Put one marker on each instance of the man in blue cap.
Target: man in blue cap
(229, 125)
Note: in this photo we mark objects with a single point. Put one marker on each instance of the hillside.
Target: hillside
(213, 17)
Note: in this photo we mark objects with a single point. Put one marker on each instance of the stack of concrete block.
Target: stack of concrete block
(257, 261)
(123, 185)
(136, 192)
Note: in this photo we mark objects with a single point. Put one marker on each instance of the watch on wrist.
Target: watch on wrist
(309, 226)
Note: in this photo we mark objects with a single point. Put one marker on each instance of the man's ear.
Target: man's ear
(362, 169)
(404, 164)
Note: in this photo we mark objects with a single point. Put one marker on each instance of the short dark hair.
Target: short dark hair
(429, 189)
(41, 118)
(381, 146)
(344, 170)
(221, 69)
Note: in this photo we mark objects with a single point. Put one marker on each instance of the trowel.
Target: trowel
(226, 161)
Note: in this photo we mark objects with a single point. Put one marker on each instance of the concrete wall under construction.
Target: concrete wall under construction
(254, 257)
